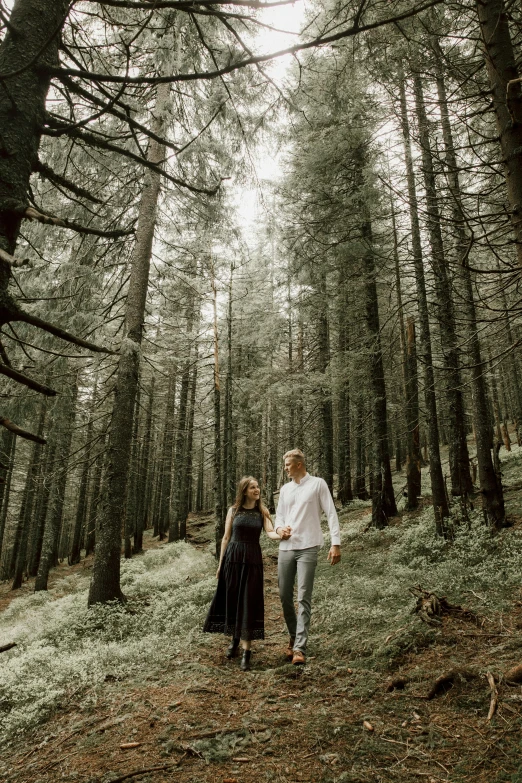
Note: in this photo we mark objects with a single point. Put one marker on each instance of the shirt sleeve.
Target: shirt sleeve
(280, 512)
(328, 507)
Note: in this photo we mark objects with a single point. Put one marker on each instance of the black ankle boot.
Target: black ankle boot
(232, 650)
(245, 661)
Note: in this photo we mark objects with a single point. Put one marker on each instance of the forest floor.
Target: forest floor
(358, 712)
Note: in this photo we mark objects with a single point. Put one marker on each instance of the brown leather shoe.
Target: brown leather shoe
(289, 652)
(298, 658)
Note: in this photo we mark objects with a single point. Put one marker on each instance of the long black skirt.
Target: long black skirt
(237, 608)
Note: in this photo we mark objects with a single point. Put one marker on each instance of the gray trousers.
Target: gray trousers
(302, 562)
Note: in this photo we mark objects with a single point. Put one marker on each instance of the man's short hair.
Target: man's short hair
(295, 454)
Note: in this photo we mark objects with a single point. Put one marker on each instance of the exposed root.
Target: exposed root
(397, 684)
(447, 680)
(514, 675)
(430, 607)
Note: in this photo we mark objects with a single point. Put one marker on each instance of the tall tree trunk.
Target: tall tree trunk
(145, 477)
(179, 467)
(440, 503)
(458, 448)
(44, 491)
(7, 456)
(31, 44)
(507, 101)
(490, 483)
(26, 513)
(323, 367)
(167, 455)
(360, 451)
(344, 492)
(228, 426)
(90, 533)
(218, 457)
(131, 504)
(65, 421)
(81, 509)
(299, 406)
(413, 463)
(187, 487)
(410, 386)
(290, 440)
(105, 584)
(383, 496)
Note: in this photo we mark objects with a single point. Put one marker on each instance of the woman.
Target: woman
(238, 607)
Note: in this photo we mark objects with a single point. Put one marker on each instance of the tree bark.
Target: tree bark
(490, 483)
(7, 456)
(53, 520)
(219, 503)
(105, 584)
(344, 492)
(26, 512)
(81, 509)
(145, 477)
(458, 448)
(360, 452)
(507, 102)
(26, 49)
(413, 462)
(44, 491)
(410, 386)
(383, 496)
(437, 479)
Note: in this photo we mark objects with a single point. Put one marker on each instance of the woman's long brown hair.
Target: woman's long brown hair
(240, 497)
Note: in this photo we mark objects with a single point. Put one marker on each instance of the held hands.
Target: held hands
(284, 532)
(334, 555)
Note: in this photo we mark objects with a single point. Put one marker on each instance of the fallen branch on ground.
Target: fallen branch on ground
(6, 647)
(494, 696)
(145, 770)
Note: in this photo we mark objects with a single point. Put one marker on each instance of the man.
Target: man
(298, 522)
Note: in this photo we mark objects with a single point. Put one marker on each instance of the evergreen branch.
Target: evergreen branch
(235, 66)
(19, 315)
(92, 140)
(58, 179)
(29, 213)
(12, 427)
(19, 377)
(110, 109)
(182, 6)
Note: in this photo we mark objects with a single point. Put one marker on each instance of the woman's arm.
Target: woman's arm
(269, 529)
(226, 537)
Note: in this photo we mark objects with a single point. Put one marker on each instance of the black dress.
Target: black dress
(237, 608)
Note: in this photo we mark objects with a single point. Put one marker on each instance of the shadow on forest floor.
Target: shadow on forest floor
(146, 690)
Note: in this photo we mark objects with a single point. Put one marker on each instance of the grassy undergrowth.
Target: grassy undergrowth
(365, 608)
(64, 647)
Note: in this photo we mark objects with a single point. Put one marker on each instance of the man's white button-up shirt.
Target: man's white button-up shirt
(300, 507)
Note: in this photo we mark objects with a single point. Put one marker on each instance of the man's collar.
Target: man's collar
(305, 478)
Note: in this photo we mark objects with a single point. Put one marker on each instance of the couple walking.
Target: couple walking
(237, 608)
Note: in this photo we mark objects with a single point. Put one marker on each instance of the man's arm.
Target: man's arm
(280, 517)
(328, 506)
